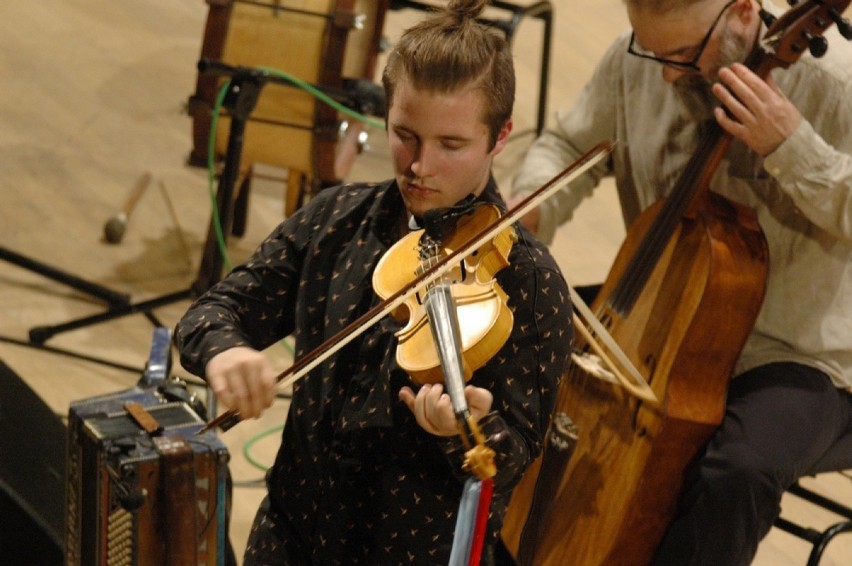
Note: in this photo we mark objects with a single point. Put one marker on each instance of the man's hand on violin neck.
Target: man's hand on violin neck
(434, 411)
(242, 379)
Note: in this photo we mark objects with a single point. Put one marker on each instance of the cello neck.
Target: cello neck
(688, 195)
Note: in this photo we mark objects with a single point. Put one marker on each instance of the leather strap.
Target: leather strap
(178, 482)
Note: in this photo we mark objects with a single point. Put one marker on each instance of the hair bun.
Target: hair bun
(466, 9)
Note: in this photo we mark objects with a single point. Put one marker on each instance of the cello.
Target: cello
(680, 300)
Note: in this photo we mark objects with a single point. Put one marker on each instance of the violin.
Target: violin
(460, 320)
(485, 319)
(428, 273)
(469, 293)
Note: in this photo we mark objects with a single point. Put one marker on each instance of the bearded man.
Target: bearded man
(654, 92)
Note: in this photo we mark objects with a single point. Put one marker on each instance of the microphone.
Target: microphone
(365, 96)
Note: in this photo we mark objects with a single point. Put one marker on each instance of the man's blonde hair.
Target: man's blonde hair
(449, 51)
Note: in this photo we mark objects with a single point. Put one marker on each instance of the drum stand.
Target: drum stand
(240, 100)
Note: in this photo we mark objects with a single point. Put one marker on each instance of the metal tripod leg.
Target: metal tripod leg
(109, 296)
(241, 100)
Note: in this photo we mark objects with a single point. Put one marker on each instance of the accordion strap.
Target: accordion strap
(178, 475)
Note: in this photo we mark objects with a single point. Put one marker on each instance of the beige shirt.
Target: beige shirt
(802, 193)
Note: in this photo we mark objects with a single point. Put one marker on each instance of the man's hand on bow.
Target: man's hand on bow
(243, 379)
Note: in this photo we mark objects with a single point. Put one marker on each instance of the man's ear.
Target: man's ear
(502, 137)
(744, 10)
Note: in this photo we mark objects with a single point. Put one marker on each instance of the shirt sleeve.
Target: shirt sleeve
(817, 176)
(814, 165)
(235, 311)
(591, 120)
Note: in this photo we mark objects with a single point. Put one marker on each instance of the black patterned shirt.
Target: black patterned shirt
(356, 480)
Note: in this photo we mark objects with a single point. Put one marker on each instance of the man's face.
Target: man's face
(711, 34)
(694, 88)
(440, 146)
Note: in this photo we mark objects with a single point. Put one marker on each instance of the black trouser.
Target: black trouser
(780, 419)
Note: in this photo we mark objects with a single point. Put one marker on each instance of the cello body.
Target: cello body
(612, 500)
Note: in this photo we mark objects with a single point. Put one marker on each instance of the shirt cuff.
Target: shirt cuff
(803, 151)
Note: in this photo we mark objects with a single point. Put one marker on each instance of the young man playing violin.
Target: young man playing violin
(654, 92)
(369, 467)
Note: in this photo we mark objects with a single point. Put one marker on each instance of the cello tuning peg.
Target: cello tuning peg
(817, 44)
(843, 25)
(768, 19)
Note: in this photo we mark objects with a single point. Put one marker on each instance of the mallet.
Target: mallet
(115, 226)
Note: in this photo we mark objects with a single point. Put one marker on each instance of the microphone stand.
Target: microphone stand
(112, 298)
(240, 100)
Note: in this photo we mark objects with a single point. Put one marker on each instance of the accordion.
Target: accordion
(143, 488)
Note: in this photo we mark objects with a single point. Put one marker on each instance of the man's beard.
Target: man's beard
(694, 90)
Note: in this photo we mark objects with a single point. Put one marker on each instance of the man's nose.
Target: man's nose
(423, 162)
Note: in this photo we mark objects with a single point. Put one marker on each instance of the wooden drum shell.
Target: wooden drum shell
(309, 39)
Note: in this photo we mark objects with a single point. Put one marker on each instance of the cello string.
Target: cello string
(686, 190)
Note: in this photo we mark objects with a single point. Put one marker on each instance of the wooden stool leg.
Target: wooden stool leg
(295, 192)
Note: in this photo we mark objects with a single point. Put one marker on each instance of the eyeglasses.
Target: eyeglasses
(637, 50)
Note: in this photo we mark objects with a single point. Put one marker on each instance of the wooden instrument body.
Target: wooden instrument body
(288, 128)
(616, 494)
(485, 319)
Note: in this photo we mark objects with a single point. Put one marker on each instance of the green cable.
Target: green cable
(323, 97)
(254, 440)
(211, 173)
(211, 141)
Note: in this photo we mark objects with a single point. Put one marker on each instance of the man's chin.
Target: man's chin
(697, 97)
(419, 201)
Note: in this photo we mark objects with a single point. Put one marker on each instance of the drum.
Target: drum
(321, 42)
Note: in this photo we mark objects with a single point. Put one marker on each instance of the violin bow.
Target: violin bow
(306, 363)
